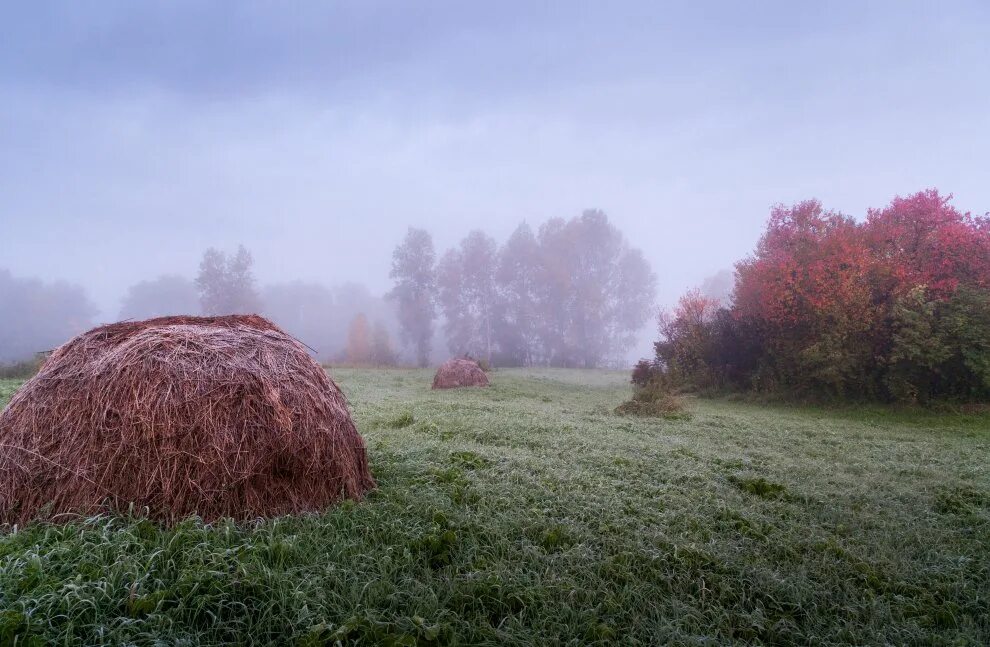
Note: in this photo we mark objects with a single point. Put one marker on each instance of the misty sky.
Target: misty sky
(135, 134)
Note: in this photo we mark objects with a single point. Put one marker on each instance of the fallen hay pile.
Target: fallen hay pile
(459, 372)
(220, 416)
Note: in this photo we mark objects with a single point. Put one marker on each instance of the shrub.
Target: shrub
(940, 349)
(654, 399)
(644, 371)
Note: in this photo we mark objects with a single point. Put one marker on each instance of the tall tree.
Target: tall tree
(594, 292)
(554, 288)
(516, 316)
(809, 284)
(226, 285)
(452, 301)
(169, 294)
(468, 296)
(414, 291)
(922, 239)
(243, 289)
(211, 282)
(575, 295)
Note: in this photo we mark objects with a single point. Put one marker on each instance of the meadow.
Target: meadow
(529, 513)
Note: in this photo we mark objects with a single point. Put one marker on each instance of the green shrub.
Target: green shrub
(402, 420)
(940, 349)
(654, 399)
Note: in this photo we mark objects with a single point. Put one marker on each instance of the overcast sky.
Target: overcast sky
(135, 134)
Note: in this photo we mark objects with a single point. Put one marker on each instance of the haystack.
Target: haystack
(459, 372)
(215, 416)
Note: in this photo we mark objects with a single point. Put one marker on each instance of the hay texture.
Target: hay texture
(458, 372)
(215, 416)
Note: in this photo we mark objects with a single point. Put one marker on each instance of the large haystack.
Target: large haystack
(459, 372)
(221, 416)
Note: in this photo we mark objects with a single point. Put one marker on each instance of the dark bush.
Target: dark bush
(644, 371)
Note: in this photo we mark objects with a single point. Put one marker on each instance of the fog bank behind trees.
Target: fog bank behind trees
(36, 316)
(571, 293)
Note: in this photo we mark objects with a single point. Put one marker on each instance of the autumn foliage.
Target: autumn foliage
(896, 306)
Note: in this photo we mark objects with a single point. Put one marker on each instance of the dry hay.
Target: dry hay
(458, 372)
(215, 416)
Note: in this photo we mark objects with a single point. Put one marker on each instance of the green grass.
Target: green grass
(529, 513)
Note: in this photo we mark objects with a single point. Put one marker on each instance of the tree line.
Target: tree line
(321, 317)
(893, 307)
(343, 323)
(572, 293)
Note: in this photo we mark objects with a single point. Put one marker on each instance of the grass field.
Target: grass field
(528, 513)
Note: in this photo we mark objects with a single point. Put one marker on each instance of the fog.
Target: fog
(135, 136)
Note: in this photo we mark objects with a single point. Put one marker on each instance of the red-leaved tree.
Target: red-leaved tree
(894, 306)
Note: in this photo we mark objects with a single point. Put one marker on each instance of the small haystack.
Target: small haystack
(458, 372)
(215, 416)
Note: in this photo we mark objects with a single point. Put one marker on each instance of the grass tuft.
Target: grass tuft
(759, 486)
(655, 399)
(402, 420)
(961, 500)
